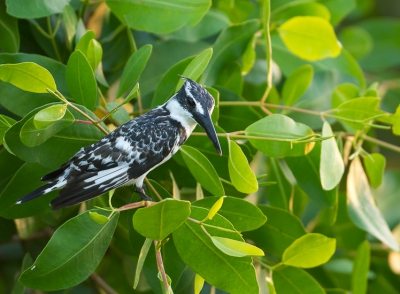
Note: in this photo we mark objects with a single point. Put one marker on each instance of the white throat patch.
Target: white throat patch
(180, 114)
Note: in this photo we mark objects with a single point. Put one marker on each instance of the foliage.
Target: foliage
(301, 200)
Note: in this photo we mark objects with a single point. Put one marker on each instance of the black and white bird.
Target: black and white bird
(130, 152)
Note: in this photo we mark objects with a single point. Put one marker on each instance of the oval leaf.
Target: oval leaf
(241, 175)
(28, 76)
(243, 215)
(309, 37)
(362, 208)
(215, 208)
(297, 84)
(34, 8)
(310, 250)
(375, 166)
(198, 284)
(236, 248)
(157, 221)
(359, 276)
(331, 168)
(49, 115)
(202, 170)
(80, 80)
(301, 282)
(80, 243)
(160, 17)
(281, 128)
(196, 67)
(134, 68)
(94, 53)
(98, 218)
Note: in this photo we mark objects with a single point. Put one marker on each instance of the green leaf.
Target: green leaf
(343, 93)
(202, 170)
(236, 248)
(83, 43)
(375, 166)
(79, 243)
(331, 168)
(196, 67)
(230, 45)
(339, 9)
(230, 274)
(142, 257)
(134, 68)
(94, 53)
(243, 215)
(216, 207)
(361, 206)
(70, 21)
(132, 94)
(278, 233)
(49, 115)
(359, 111)
(309, 37)
(359, 276)
(98, 218)
(283, 129)
(301, 9)
(198, 284)
(120, 116)
(80, 80)
(242, 176)
(166, 87)
(32, 136)
(160, 17)
(310, 250)
(34, 8)
(295, 280)
(357, 40)
(9, 41)
(27, 76)
(71, 139)
(24, 180)
(26, 262)
(296, 84)
(157, 221)
(5, 123)
(160, 190)
(249, 57)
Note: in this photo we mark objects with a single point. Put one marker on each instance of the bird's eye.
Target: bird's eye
(190, 101)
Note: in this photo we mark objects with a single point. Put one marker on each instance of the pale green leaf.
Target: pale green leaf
(5, 123)
(236, 248)
(375, 166)
(98, 218)
(215, 208)
(49, 115)
(94, 53)
(142, 257)
(198, 284)
(70, 21)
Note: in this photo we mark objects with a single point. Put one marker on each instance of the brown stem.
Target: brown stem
(160, 266)
(153, 189)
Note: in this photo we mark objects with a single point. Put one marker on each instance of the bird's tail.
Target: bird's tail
(38, 192)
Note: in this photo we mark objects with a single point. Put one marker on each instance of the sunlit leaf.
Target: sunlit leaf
(242, 176)
(310, 250)
(78, 243)
(215, 208)
(49, 115)
(236, 248)
(27, 76)
(94, 53)
(198, 284)
(98, 218)
(310, 37)
(361, 206)
(375, 166)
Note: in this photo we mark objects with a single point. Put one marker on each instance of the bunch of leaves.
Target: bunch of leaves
(293, 112)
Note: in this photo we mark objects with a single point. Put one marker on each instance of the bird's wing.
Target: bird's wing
(125, 154)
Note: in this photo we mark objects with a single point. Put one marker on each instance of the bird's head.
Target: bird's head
(198, 104)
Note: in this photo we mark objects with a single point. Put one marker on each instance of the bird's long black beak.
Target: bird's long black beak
(204, 120)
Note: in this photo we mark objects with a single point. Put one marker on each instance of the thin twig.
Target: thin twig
(52, 38)
(266, 12)
(160, 266)
(102, 284)
(153, 189)
(381, 143)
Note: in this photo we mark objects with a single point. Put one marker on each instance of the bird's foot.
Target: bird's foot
(142, 193)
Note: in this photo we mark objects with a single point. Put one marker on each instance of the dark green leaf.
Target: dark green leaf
(9, 41)
(80, 80)
(357, 40)
(284, 130)
(309, 37)
(295, 280)
(230, 45)
(134, 68)
(375, 166)
(297, 84)
(80, 243)
(242, 176)
(161, 17)
(26, 262)
(232, 274)
(361, 206)
(157, 221)
(27, 76)
(360, 270)
(5, 123)
(202, 170)
(34, 8)
(331, 168)
(281, 230)
(243, 215)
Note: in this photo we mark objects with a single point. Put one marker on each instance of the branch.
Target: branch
(102, 284)
(160, 266)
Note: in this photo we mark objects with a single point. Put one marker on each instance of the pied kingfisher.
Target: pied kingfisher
(130, 152)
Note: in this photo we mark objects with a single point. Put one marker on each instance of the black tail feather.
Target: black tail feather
(55, 174)
(36, 193)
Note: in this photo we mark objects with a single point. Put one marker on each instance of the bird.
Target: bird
(126, 155)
